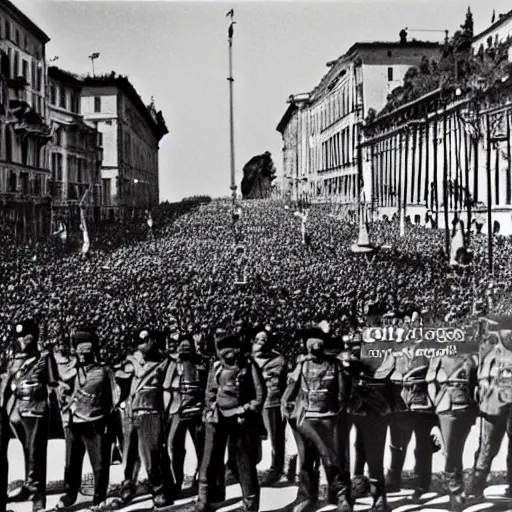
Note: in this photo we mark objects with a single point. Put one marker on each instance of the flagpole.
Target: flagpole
(231, 112)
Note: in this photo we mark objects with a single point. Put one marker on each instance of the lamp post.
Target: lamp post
(93, 57)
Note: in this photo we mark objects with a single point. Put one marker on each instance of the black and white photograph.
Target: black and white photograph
(255, 256)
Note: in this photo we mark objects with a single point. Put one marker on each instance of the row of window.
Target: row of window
(32, 71)
(65, 98)
(344, 186)
(338, 150)
(88, 140)
(25, 183)
(76, 167)
(9, 31)
(340, 104)
(31, 153)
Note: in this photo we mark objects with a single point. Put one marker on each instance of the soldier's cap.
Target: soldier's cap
(229, 341)
(84, 334)
(186, 337)
(144, 334)
(26, 327)
(261, 328)
(313, 332)
(499, 323)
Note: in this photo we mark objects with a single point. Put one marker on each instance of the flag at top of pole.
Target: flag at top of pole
(231, 15)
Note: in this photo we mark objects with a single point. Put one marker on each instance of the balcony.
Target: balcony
(27, 121)
(20, 82)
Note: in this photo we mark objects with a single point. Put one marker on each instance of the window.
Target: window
(97, 104)
(53, 95)
(8, 144)
(390, 74)
(24, 70)
(7, 30)
(17, 37)
(39, 78)
(16, 65)
(62, 100)
(58, 136)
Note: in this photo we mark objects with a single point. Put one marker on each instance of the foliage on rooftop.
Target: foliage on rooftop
(458, 66)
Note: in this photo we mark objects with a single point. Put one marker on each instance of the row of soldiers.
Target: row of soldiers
(244, 394)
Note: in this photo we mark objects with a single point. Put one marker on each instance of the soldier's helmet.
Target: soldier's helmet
(502, 327)
(85, 334)
(28, 327)
(227, 343)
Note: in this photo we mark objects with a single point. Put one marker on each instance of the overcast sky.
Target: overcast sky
(177, 52)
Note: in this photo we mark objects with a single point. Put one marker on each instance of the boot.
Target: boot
(67, 500)
(161, 500)
(271, 478)
(394, 476)
(360, 486)
(127, 491)
(39, 504)
(305, 506)
(19, 494)
(251, 504)
(417, 494)
(457, 502)
(345, 503)
(476, 487)
(378, 493)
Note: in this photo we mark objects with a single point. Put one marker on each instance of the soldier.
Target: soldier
(370, 405)
(318, 387)
(235, 395)
(145, 390)
(25, 393)
(273, 368)
(188, 374)
(494, 395)
(4, 461)
(87, 416)
(451, 385)
(414, 413)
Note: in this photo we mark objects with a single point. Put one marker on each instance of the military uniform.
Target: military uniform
(25, 395)
(414, 413)
(4, 461)
(235, 395)
(451, 382)
(86, 417)
(318, 387)
(273, 368)
(148, 380)
(188, 378)
(494, 395)
(370, 406)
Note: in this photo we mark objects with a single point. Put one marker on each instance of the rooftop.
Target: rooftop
(24, 20)
(155, 121)
(65, 76)
(503, 18)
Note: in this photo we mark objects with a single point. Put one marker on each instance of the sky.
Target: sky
(177, 52)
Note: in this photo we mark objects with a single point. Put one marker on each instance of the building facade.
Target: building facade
(496, 33)
(441, 157)
(75, 152)
(131, 132)
(329, 120)
(24, 125)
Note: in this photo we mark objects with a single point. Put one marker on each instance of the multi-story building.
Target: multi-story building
(292, 177)
(131, 134)
(75, 152)
(496, 33)
(328, 121)
(24, 128)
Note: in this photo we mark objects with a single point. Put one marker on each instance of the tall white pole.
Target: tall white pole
(231, 110)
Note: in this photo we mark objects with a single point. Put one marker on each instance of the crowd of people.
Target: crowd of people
(204, 268)
(188, 270)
